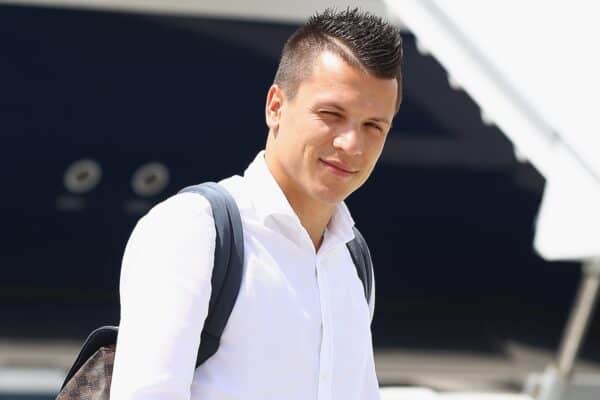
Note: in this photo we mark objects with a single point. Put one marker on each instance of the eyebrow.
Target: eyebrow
(385, 121)
(340, 108)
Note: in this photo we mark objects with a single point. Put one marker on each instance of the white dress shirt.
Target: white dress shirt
(300, 328)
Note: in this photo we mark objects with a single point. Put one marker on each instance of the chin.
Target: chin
(330, 196)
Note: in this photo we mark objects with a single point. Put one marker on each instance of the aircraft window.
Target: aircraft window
(150, 179)
(82, 176)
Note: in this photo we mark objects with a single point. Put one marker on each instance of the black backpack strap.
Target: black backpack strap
(228, 266)
(362, 261)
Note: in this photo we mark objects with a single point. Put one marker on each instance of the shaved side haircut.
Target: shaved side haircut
(361, 39)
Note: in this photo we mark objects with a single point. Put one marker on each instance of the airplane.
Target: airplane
(108, 108)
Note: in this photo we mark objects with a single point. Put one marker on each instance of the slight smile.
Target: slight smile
(338, 168)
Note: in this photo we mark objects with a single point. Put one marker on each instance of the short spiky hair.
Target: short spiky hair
(361, 39)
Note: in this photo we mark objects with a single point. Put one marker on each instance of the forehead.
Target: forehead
(332, 79)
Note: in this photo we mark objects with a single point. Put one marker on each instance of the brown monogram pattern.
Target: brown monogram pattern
(92, 381)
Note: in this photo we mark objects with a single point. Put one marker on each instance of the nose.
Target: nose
(350, 141)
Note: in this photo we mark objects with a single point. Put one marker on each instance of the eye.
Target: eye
(373, 125)
(330, 114)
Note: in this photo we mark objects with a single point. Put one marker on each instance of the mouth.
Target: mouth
(338, 167)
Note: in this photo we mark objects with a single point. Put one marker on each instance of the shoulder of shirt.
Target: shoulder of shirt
(180, 206)
(180, 227)
(188, 205)
(236, 186)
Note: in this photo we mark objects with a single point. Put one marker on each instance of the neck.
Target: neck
(313, 217)
(313, 214)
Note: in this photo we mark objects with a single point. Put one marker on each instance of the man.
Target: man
(300, 328)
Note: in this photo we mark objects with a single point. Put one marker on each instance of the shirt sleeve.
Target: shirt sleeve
(372, 297)
(370, 384)
(165, 288)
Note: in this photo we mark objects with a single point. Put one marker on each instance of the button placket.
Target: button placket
(325, 362)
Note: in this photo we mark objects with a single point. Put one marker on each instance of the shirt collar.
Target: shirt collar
(270, 201)
(341, 223)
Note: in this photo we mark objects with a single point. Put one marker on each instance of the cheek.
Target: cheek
(374, 149)
(305, 139)
(316, 139)
(372, 153)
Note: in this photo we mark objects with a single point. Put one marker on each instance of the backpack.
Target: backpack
(91, 374)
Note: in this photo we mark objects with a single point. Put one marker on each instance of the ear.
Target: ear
(275, 101)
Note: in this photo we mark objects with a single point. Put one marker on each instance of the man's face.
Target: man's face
(327, 139)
